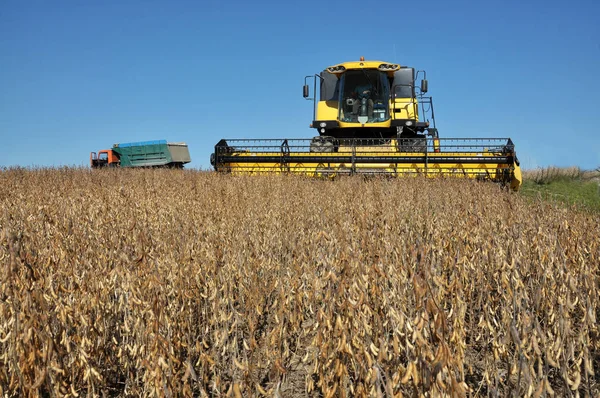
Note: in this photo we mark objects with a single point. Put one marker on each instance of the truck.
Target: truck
(158, 153)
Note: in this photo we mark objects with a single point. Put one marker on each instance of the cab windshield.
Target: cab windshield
(364, 96)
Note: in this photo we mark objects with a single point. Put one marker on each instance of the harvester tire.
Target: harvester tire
(418, 144)
(322, 144)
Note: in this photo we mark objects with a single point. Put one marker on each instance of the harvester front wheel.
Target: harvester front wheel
(413, 144)
(323, 144)
(411, 141)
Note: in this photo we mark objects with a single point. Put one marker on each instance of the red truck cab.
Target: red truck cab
(104, 158)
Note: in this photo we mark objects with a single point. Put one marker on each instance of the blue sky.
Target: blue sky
(78, 76)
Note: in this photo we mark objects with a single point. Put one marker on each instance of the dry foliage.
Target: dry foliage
(547, 175)
(184, 283)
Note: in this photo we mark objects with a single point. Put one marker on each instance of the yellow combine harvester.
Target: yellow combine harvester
(367, 118)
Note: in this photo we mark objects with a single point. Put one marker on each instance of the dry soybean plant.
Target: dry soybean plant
(186, 283)
(547, 175)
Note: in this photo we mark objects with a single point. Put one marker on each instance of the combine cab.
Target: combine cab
(367, 120)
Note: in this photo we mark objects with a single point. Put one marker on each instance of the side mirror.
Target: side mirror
(305, 91)
(423, 86)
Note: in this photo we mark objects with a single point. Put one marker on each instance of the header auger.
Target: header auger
(372, 118)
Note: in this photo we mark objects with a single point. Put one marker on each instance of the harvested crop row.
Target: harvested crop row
(160, 282)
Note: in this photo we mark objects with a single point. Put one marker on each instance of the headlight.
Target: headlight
(409, 123)
(388, 67)
(323, 124)
(336, 69)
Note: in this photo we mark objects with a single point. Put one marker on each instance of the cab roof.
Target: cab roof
(363, 64)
